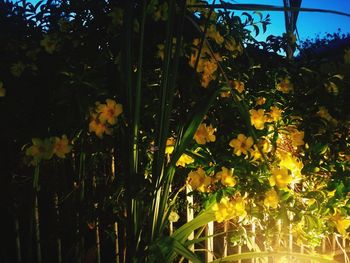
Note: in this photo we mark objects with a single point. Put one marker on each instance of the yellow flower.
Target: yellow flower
(297, 138)
(204, 134)
(198, 180)
(41, 149)
(284, 86)
(228, 209)
(280, 177)
(235, 47)
(341, 223)
(347, 56)
(109, 112)
(170, 142)
(215, 35)
(238, 85)
(290, 162)
(260, 101)
(205, 80)
(173, 217)
(184, 160)
(271, 199)
(275, 113)
(241, 144)
(255, 154)
(2, 90)
(49, 44)
(226, 177)
(209, 67)
(61, 146)
(258, 118)
(98, 127)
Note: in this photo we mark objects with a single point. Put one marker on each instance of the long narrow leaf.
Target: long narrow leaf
(252, 255)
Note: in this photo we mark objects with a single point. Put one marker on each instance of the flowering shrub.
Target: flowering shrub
(257, 138)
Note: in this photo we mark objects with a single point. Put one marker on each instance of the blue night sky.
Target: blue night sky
(309, 24)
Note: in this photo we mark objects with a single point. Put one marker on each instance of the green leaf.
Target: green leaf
(252, 255)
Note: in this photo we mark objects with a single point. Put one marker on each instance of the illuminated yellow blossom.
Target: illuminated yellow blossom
(173, 217)
(209, 67)
(255, 154)
(238, 85)
(2, 90)
(109, 112)
(280, 177)
(271, 199)
(61, 146)
(275, 113)
(226, 177)
(290, 162)
(297, 138)
(284, 86)
(170, 143)
(98, 127)
(341, 223)
(40, 150)
(49, 44)
(198, 180)
(260, 101)
(205, 80)
(228, 209)
(204, 134)
(241, 144)
(184, 160)
(235, 47)
(347, 56)
(214, 34)
(258, 118)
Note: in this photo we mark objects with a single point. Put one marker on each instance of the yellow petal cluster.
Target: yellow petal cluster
(228, 209)
(44, 149)
(280, 177)
(341, 223)
(275, 113)
(225, 176)
(104, 117)
(170, 143)
(199, 181)
(290, 162)
(184, 160)
(61, 146)
(204, 134)
(271, 199)
(241, 144)
(238, 85)
(258, 118)
(285, 85)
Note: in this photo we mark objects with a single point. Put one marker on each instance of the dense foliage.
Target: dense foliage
(112, 109)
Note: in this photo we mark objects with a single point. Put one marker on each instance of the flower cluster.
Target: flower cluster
(228, 209)
(104, 117)
(44, 149)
